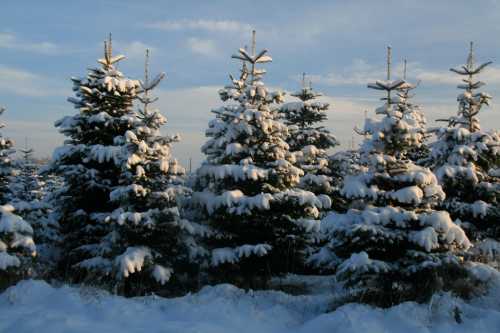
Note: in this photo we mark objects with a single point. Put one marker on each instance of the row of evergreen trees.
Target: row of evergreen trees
(393, 220)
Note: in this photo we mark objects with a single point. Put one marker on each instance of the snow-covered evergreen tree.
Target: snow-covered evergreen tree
(154, 245)
(258, 222)
(309, 141)
(6, 168)
(90, 163)
(30, 199)
(17, 247)
(413, 115)
(467, 162)
(395, 247)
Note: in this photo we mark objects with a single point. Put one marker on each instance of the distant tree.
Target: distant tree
(17, 247)
(309, 141)
(7, 170)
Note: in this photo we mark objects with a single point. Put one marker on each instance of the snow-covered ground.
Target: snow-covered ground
(36, 306)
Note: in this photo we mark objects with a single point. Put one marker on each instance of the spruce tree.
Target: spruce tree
(7, 170)
(90, 163)
(466, 160)
(31, 200)
(17, 247)
(395, 247)
(154, 246)
(309, 141)
(414, 116)
(257, 222)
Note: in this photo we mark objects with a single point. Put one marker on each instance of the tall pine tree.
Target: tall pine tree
(154, 246)
(466, 160)
(413, 115)
(90, 163)
(7, 169)
(17, 247)
(258, 222)
(395, 247)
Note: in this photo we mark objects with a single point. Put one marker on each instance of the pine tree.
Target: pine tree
(257, 221)
(17, 247)
(395, 247)
(155, 245)
(413, 115)
(309, 141)
(466, 160)
(90, 163)
(31, 201)
(7, 170)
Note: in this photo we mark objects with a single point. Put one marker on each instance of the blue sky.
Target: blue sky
(341, 44)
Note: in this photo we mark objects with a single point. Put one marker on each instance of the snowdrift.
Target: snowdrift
(34, 305)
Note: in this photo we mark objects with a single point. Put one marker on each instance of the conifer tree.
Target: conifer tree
(413, 115)
(395, 247)
(17, 247)
(90, 163)
(309, 141)
(7, 170)
(155, 246)
(31, 201)
(466, 160)
(257, 221)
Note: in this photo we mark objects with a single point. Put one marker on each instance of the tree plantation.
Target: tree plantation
(412, 212)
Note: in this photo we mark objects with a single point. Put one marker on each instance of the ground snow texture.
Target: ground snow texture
(34, 305)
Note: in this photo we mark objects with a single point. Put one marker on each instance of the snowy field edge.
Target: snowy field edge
(33, 304)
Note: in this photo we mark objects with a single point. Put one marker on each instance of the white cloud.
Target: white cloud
(10, 41)
(200, 46)
(133, 50)
(360, 73)
(202, 25)
(24, 83)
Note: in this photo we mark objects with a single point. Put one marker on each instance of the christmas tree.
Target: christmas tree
(7, 170)
(31, 199)
(17, 247)
(258, 222)
(395, 246)
(154, 245)
(466, 160)
(413, 115)
(90, 163)
(309, 141)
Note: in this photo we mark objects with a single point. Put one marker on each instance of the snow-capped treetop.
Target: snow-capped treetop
(470, 101)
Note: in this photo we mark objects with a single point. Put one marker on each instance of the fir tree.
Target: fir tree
(31, 201)
(309, 141)
(90, 163)
(7, 170)
(396, 247)
(16, 243)
(155, 246)
(467, 162)
(257, 222)
(413, 115)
